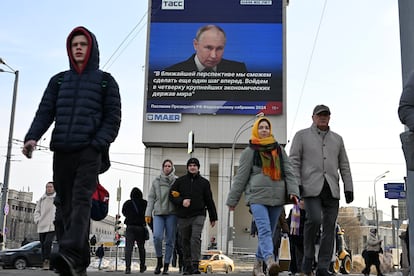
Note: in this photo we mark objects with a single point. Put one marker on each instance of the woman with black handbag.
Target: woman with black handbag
(134, 212)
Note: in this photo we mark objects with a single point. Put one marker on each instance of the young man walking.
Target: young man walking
(85, 107)
(192, 195)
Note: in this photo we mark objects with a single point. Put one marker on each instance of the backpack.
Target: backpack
(100, 203)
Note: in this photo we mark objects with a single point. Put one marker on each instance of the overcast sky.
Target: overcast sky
(345, 55)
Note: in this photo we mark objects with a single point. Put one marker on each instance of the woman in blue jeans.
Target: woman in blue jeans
(162, 210)
(266, 178)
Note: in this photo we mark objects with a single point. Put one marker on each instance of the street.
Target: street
(39, 272)
(242, 268)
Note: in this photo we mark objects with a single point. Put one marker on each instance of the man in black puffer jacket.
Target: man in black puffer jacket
(85, 106)
(192, 195)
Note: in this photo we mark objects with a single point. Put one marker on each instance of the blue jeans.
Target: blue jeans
(266, 218)
(100, 263)
(165, 224)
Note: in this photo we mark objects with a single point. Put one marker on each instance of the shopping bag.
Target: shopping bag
(284, 250)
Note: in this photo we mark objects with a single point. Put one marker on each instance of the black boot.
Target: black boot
(307, 266)
(379, 271)
(165, 270)
(159, 265)
(142, 268)
(187, 269)
(195, 268)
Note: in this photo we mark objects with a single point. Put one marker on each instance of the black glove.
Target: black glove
(349, 197)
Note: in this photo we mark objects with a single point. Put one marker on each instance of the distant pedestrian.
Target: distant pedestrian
(44, 217)
(213, 243)
(100, 253)
(24, 241)
(92, 243)
(404, 256)
(134, 212)
(373, 248)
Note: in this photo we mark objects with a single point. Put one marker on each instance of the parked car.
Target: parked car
(26, 256)
(214, 261)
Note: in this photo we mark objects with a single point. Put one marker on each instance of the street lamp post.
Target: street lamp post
(5, 188)
(375, 198)
(239, 132)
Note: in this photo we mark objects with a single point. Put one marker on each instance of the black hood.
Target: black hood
(92, 56)
(136, 193)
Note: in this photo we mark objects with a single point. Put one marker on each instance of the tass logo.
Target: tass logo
(172, 5)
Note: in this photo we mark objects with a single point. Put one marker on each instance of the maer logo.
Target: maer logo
(172, 5)
(164, 117)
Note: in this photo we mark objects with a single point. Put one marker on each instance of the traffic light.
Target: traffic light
(117, 239)
(117, 228)
(231, 233)
(117, 223)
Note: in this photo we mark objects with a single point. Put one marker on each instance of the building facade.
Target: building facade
(19, 220)
(356, 223)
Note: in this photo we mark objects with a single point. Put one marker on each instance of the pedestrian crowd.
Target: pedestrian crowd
(83, 105)
(176, 207)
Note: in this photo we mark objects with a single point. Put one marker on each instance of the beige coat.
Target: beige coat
(44, 214)
(373, 243)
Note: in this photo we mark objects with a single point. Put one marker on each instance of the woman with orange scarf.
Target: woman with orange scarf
(266, 177)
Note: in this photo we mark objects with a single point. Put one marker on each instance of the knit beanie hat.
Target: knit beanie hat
(193, 160)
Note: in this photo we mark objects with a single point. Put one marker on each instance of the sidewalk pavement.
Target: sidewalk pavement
(95, 272)
(39, 272)
(110, 267)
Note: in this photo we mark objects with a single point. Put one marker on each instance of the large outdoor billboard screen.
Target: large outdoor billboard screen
(242, 68)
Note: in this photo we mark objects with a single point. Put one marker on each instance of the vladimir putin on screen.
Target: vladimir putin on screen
(209, 46)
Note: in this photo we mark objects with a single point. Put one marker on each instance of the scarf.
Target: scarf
(268, 150)
(295, 221)
(170, 178)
